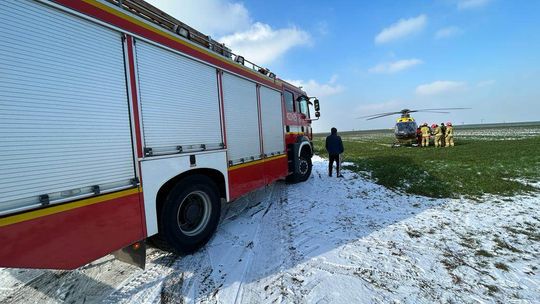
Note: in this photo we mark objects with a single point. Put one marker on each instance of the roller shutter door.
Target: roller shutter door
(64, 116)
(272, 121)
(241, 119)
(179, 101)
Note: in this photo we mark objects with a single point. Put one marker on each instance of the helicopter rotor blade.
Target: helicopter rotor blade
(407, 111)
(379, 114)
(442, 109)
(430, 111)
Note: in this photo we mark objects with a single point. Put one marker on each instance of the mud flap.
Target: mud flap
(134, 254)
(293, 151)
(294, 164)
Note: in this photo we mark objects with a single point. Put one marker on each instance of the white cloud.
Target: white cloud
(470, 4)
(261, 44)
(448, 32)
(440, 87)
(230, 23)
(212, 17)
(396, 66)
(320, 90)
(402, 28)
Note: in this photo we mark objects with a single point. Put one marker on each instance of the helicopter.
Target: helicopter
(405, 129)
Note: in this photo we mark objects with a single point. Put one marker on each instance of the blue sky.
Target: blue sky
(364, 57)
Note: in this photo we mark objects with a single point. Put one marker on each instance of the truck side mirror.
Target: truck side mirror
(316, 105)
(317, 114)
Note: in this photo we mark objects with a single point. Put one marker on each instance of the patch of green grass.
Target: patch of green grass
(492, 288)
(469, 242)
(472, 168)
(448, 264)
(484, 253)
(502, 266)
(531, 234)
(414, 233)
(504, 245)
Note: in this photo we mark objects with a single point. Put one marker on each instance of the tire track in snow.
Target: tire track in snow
(218, 272)
(266, 207)
(90, 283)
(144, 286)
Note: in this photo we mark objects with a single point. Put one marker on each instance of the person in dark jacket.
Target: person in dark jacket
(334, 146)
(443, 139)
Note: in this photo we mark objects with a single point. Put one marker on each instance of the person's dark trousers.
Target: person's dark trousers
(332, 158)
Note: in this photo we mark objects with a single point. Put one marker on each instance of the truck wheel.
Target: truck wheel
(304, 168)
(190, 214)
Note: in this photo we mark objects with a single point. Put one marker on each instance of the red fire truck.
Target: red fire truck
(119, 123)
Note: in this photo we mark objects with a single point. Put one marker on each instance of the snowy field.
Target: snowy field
(498, 133)
(328, 240)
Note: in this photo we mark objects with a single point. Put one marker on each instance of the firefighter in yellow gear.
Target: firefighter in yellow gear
(425, 134)
(437, 133)
(449, 135)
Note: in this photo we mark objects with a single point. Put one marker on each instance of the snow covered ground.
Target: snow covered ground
(510, 133)
(327, 240)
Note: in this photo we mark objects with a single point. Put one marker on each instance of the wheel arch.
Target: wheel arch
(214, 175)
(305, 149)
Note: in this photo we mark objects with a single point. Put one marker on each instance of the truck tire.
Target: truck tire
(304, 168)
(190, 215)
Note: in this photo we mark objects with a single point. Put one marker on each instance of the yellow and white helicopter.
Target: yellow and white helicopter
(405, 129)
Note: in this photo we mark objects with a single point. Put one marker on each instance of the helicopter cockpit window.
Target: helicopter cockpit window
(406, 127)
